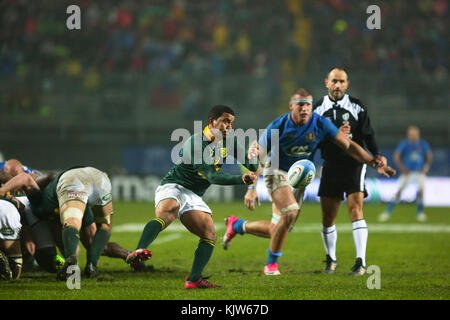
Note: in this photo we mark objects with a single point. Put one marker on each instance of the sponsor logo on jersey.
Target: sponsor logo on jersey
(107, 197)
(7, 231)
(346, 116)
(75, 195)
(299, 151)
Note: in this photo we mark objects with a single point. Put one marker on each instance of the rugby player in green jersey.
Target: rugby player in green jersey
(180, 191)
(74, 196)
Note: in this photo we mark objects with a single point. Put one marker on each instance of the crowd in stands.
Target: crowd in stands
(219, 37)
(179, 41)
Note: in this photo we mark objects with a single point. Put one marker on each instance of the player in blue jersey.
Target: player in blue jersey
(413, 157)
(299, 133)
(14, 167)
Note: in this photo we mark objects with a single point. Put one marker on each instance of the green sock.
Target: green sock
(151, 231)
(70, 238)
(99, 242)
(201, 257)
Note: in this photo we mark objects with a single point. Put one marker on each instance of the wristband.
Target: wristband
(375, 164)
(251, 187)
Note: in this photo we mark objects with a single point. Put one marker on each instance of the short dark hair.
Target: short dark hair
(337, 68)
(301, 92)
(218, 110)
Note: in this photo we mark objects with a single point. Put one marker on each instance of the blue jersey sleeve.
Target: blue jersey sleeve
(265, 141)
(329, 128)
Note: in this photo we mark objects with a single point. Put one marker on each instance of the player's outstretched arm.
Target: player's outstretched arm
(251, 196)
(22, 181)
(361, 155)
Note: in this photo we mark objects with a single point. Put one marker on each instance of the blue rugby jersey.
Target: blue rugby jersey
(413, 154)
(296, 142)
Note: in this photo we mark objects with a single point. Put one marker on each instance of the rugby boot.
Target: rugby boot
(62, 275)
(91, 271)
(138, 255)
(201, 283)
(271, 269)
(229, 234)
(330, 265)
(358, 269)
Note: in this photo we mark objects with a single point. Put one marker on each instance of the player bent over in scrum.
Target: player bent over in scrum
(40, 237)
(10, 246)
(69, 194)
(180, 192)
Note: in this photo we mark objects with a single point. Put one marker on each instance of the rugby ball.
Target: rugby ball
(301, 173)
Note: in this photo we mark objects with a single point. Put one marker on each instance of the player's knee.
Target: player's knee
(210, 235)
(71, 217)
(168, 208)
(356, 213)
(327, 220)
(103, 223)
(289, 213)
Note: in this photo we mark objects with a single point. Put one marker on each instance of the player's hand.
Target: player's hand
(253, 151)
(346, 128)
(381, 160)
(386, 171)
(249, 178)
(250, 198)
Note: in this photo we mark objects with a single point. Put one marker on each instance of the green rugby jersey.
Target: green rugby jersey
(44, 204)
(201, 161)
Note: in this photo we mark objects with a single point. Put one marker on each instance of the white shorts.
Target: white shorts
(413, 177)
(187, 199)
(10, 225)
(88, 185)
(274, 179)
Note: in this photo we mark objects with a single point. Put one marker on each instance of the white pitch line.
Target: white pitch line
(314, 227)
(167, 238)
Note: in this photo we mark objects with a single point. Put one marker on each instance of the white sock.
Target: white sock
(329, 238)
(360, 235)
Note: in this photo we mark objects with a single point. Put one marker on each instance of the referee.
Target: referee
(341, 174)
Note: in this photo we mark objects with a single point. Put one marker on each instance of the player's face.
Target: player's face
(222, 124)
(413, 134)
(337, 83)
(301, 111)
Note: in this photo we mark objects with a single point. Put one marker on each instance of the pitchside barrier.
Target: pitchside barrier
(136, 188)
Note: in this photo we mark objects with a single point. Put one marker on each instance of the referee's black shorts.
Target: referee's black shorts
(339, 180)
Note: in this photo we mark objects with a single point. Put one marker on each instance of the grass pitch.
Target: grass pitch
(413, 257)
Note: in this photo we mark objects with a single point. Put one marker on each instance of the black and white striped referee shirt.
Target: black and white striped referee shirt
(346, 110)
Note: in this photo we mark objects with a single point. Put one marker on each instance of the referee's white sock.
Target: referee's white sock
(360, 235)
(329, 238)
